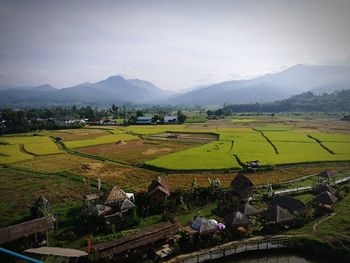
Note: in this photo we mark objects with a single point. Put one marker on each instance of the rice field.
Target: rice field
(249, 144)
(18, 148)
(112, 138)
(12, 154)
(212, 156)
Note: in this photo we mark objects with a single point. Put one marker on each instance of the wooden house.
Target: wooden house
(28, 234)
(275, 214)
(157, 194)
(248, 210)
(136, 247)
(242, 186)
(237, 219)
(292, 204)
(325, 198)
(202, 225)
(118, 200)
(96, 211)
(327, 175)
(324, 188)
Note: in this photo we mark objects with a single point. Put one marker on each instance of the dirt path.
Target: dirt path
(322, 220)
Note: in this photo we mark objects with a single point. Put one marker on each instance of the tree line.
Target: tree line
(338, 101)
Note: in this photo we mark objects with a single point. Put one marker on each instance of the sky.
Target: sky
(174, 44)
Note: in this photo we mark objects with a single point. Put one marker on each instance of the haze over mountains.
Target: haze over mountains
(116, 89)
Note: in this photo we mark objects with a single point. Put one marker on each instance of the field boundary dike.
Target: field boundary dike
(268, 140)
(321, 144)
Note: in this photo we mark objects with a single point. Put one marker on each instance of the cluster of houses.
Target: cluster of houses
(115, 205)
(147, 120)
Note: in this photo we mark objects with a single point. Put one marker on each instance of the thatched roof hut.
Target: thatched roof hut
(248, 210)
(325, 198)
(324, 188)
(202, 225)
(158, 185)
(242, 185)
(24, 230)
(288, 202)
(126, 205)
(237, 219)
(278, 215)
(114, 196)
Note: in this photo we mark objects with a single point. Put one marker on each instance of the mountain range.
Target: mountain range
(118, 90)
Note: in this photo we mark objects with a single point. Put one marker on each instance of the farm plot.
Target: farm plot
(154, 129)
(331, 137)
(112, 173)
(250, 150)
(340, 148)
(288, 136)
(215, 155)
(135, 151)
(36, 145)
(299, 152)
(77, 134)
(112, 138)
(12, 154)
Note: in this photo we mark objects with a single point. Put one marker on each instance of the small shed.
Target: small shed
(237, 219)
(278, 215)
(31, 233)
(325, 198)
(157, 193)
(242, 186)
(288, 202)
(327, 175)
(248, 210)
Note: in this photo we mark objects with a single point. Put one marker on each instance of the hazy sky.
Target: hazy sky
(174, 44)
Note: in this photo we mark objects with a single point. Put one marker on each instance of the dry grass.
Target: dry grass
(136, 150)
(128, 177)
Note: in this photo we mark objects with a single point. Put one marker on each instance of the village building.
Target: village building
(144, 120)
(136, 246)
(248, 210)
(157, 194)
(324, 188)
(278, 215)
(170, 119)
(28, 234)
(118, 200)
(242, 186)
(237, 219)
(287, 202)
(202, 225)
(96, 211)
(327, 175)
(325, 198)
